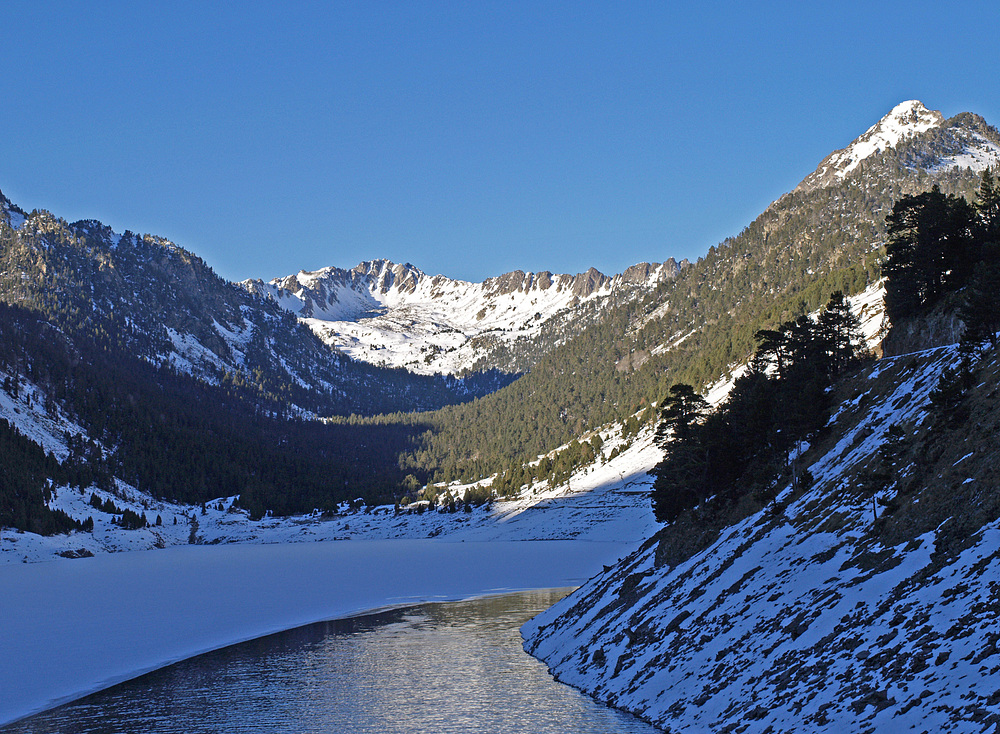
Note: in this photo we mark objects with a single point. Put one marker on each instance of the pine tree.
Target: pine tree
(680, 477)
(840, 332)
(772, 350)
(980, 309)
(988, 208)
(683, 409)
(929, 251)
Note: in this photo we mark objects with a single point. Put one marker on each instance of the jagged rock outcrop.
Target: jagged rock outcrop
(939, 328)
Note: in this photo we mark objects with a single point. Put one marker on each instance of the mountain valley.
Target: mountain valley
(145, 402)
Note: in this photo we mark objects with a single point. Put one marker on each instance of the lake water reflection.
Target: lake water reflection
(450, 667)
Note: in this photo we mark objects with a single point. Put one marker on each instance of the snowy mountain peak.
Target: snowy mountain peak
(912, 116)
(904, 121)
(396, 315)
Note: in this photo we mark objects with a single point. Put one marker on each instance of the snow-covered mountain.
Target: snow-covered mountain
(398, 316)
(153, 299)
(849, 606)
(965, 144)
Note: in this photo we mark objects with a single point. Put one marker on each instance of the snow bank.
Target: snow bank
(72, 627)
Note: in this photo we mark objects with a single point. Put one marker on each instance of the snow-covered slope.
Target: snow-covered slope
(810, 615)
(395, 315)
(606, 502)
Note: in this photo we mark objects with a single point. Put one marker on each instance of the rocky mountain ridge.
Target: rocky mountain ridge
(153, 299)
(396, 315)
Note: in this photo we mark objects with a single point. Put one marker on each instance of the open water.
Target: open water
(448, 667)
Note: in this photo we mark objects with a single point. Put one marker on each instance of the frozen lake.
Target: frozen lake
(445, 667)
(68, 628)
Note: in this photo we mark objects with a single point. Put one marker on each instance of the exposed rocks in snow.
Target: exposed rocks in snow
(395, 315)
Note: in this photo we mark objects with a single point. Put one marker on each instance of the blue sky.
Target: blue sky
(469, 139)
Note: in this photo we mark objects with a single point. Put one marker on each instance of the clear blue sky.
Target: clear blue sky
(467, 138)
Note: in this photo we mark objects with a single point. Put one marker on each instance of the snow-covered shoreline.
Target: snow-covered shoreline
(154, 596)
(68, 628)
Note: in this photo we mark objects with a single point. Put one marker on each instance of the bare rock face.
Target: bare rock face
(586, 284)
(508, 283)
(645, 272)
(937, 329)
(640, 272)
(914, 335)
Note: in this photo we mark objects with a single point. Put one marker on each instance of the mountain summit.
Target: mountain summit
(396, 315)
(963, 143)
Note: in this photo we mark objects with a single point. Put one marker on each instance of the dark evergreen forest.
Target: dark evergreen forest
(178, 438)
